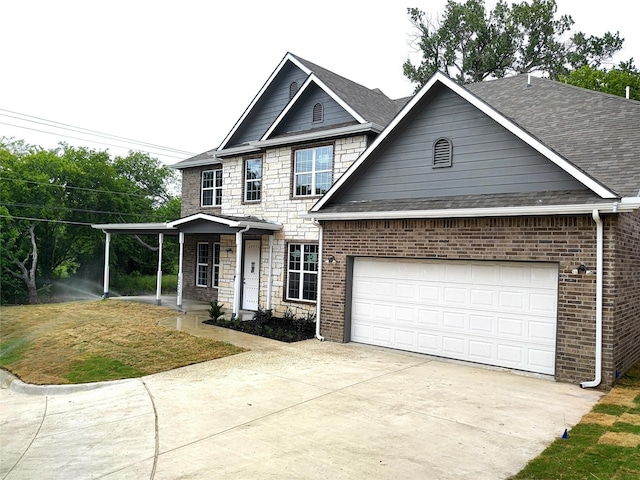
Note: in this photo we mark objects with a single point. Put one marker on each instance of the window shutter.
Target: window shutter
(442, 153)
(317, 112)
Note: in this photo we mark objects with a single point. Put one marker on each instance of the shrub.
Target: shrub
(215, 312)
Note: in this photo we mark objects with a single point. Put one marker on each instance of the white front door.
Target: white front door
(251, 275)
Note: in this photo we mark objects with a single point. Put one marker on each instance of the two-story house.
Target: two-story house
(242, 240)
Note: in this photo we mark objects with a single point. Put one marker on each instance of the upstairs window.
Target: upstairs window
(211, 193)
(312, 171)
(293, 89)
(442, 153)
(302, 272)
(318, 113)
(252, 179)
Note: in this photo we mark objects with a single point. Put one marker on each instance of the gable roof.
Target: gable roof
(514, 113)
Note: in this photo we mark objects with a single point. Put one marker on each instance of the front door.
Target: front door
(251, 275)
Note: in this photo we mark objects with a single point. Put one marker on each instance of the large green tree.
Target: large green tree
(49, 199)
(471, 43)
(614, 81)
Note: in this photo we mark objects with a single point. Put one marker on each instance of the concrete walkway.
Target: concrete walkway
(313, 410)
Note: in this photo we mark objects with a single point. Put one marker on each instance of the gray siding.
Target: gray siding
(487, 159)
(300, 118)
(273, 101)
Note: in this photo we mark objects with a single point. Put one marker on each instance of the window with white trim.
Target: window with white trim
(302, 272)
(313, 168)
(252, 179)
(211, 192)
(216, 265)
(202, 265)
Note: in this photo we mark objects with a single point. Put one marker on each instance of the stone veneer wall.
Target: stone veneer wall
(277, 205)
(567, 241)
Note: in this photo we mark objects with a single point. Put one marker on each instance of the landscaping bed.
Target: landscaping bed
(288, 328)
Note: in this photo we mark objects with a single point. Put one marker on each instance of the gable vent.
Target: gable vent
(317, 112)
(293, 89)
(442, 153)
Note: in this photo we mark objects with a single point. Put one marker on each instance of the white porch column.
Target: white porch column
(159, 276)
(270, 272)
(179, 299)
(106, 265)
(238, 273)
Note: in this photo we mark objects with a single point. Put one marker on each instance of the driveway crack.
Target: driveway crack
(157, 432)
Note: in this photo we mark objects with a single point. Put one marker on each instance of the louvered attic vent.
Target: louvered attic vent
(442, 153)
(317, 112)
(293, 89)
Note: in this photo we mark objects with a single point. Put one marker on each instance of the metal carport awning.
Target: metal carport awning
(199, 223)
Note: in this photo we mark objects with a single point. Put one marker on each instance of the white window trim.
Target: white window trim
(215, 282)
(200, 264)
(301, 273)
(216, 189)
(313, 171)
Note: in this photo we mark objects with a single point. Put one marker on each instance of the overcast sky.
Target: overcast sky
(179, 74)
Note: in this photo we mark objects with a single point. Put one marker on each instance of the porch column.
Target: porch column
(270, 272)
(159, 276)
(181, 240)
(238, 272)
(106, 265)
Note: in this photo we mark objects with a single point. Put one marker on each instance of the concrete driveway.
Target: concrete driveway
(313, 410)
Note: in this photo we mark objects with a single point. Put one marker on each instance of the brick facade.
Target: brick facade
(566, 240)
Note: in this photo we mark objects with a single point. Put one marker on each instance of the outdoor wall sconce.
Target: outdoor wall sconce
(331, 259)
(582, 270)
(229, 250)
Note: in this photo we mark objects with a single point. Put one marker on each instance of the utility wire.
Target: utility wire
(68, 222)
(44, 207)
(75, 188)
(91, 141)
(66, 126)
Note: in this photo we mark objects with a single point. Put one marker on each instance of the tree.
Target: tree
(49, 199)
(470, 44)
(614, 81)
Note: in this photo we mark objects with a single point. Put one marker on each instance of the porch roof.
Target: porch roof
(197, 223)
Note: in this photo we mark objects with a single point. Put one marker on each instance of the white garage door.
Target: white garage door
(496, 313)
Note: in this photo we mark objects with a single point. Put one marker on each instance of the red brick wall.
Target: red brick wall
(567, 241)
(626, 291)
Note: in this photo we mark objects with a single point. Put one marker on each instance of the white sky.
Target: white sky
(180, 73)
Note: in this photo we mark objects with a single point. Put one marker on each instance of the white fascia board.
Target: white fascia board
(613, 207)
(318, 135)
(260, 225)
(312, 79)
(205, 217)
(485, 108)
(287, 58)
(130, 226)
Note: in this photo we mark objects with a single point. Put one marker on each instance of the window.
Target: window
(302, 272)
(293, 89)
(216, 265)
(202, 265)
(318, 112)
(312, 171)
(211, 188)
(442, 153)
(252, 179)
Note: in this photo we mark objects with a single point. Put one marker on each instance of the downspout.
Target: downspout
(270, 272)
(159, 275)
(105, 286)
(180, 274)
(319, 294)
(599, 273)
(236, 286)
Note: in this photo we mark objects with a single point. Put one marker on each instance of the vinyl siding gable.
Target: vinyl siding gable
(273, 101)
(300, 118)
(487, 159)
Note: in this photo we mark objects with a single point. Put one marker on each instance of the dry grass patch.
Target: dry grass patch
(603, 419)
(630, 418)
(50, 341)
(621, 396)
(620, 439)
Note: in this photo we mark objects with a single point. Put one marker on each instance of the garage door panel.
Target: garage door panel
(499, 313)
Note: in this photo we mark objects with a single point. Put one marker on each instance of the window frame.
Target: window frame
(248, 181)
(215, 267)
(303, 274)
(215, 188)
(314, 172)
(200, 263)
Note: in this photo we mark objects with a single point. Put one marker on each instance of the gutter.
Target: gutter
(599, 273)
(319, 294)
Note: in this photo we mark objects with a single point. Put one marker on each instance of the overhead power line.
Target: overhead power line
(80, 210)
(86, 131)
(74, 188)
(68, 222)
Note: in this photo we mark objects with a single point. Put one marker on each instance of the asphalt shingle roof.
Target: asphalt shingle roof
(597, 132)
